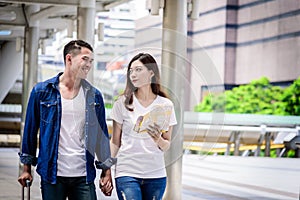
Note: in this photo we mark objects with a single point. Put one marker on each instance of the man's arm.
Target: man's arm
(26, 175)
(103, 152)
(29, 140)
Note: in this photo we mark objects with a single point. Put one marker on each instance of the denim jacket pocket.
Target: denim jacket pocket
(48, 111)
(94, 109)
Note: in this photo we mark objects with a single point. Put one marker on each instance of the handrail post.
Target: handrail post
(237, 137)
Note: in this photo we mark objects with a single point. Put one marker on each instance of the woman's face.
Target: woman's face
(139, 75)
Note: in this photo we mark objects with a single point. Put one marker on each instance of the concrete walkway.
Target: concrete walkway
(204, 178)
(240, 178)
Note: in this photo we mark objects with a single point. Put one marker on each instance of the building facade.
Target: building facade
(242, 40)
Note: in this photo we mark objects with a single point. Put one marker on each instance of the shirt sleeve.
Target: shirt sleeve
(173, 120)
(29, 140)
(102, 146)
(107, 161)
(117, 110)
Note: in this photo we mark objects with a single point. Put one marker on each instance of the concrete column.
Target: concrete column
(174, 51)
(30, 68)
(86, 14)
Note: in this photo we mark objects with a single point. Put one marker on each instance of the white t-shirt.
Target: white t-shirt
(139, 156)
(71, 160)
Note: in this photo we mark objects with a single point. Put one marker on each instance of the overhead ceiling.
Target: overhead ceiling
(53, 15)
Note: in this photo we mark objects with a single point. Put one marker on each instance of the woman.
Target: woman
(140, 169)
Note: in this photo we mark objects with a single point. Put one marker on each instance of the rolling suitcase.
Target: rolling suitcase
(28, 184)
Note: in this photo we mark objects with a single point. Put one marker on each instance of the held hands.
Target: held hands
(105, 182)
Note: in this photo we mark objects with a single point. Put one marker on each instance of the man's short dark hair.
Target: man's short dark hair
(74, 47)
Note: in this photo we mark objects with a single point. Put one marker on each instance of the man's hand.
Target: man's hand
(105, 182)
(25, 176)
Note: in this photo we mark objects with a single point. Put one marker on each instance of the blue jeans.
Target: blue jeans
(130, 188)
(75, 188)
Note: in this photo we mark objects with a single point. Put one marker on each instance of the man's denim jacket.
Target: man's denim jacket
(44, 114)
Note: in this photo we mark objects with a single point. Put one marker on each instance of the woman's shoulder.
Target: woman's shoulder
(164, 100)
(120, 99)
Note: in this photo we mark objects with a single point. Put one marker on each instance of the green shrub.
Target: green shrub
(257, 97)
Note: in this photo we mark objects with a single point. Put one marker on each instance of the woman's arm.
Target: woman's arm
(165, 140)
(161, 139)
(115, 142)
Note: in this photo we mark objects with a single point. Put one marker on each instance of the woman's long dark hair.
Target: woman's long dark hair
(150, 64)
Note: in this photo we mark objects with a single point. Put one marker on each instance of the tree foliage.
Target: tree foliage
(257, 97)
(292, 98)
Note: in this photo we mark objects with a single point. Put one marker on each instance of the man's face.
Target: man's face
(82, 63)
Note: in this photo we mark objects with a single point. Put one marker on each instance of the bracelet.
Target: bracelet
(165, 146)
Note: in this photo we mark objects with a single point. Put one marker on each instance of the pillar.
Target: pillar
(174, 51)
(86, 14)
(30, 67)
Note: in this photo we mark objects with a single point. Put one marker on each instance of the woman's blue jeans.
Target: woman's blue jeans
(75, 188)
(130, 188)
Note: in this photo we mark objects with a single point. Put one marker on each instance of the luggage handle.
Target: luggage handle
(28, 184)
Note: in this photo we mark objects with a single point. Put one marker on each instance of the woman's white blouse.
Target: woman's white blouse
(139, 156)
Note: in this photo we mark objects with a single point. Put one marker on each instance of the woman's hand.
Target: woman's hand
(162, 141)
(154, 132)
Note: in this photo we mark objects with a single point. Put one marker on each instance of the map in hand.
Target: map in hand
(160, 115)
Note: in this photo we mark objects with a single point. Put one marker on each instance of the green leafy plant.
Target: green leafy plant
(257, 97)
(291, 97)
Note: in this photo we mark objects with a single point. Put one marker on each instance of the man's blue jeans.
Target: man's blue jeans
(75, 188)
(130, 188)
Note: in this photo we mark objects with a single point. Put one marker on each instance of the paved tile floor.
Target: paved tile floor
(203, 178)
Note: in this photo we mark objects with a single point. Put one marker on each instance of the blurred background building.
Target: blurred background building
(244, 39)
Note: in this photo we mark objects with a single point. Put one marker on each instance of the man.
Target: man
(69, 114)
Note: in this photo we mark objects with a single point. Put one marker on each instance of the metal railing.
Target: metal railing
(209, 128)
(238, 129)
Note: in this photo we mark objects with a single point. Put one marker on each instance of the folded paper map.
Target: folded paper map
(160, 115)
